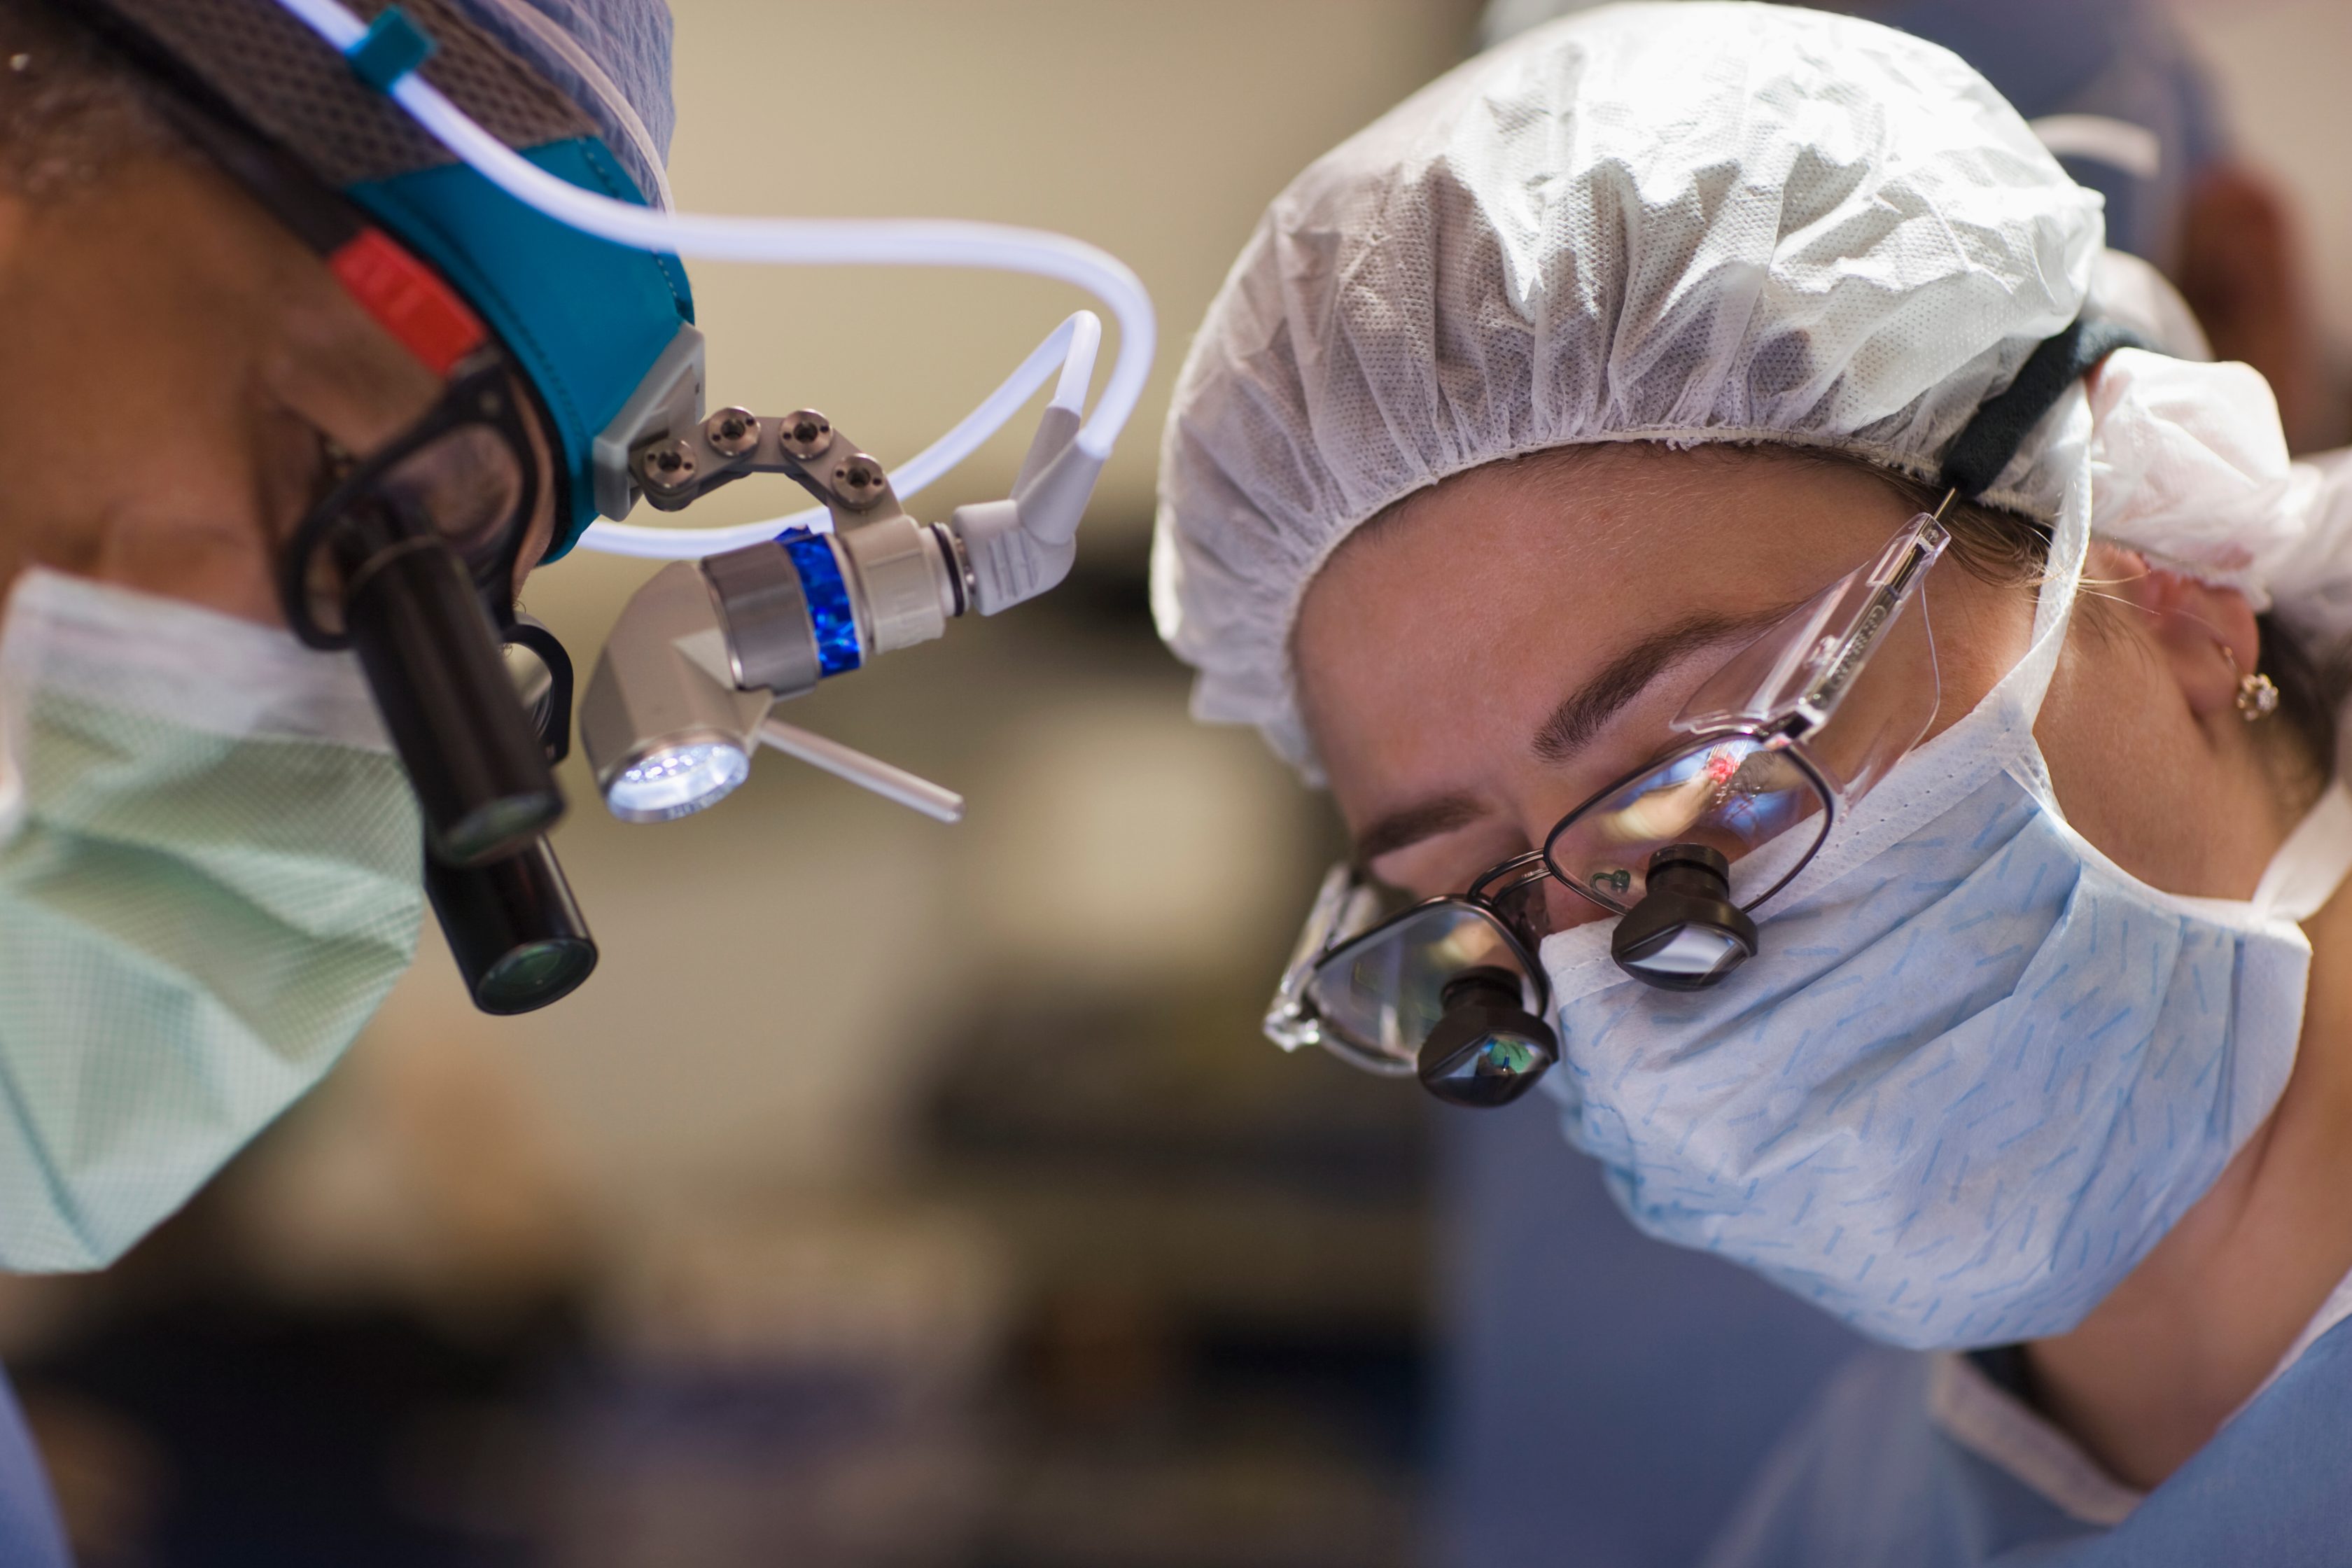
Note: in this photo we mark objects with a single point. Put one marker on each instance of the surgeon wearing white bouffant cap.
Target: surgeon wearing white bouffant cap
(1826, 683)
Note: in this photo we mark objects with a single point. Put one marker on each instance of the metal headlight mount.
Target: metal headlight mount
(680, 696)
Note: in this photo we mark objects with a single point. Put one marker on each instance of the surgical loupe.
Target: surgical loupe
(409, 559)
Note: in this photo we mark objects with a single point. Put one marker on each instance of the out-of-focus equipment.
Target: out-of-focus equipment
(476, 695)
(409, 560)
(520, 263)
(681, 692)
(513, 925)
(679, 698)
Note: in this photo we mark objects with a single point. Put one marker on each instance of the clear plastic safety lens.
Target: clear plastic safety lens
(1809, 716)
(1850, 672)
(1771, 680)
(676, 781)
(1889, 705)
(1380, 996)
(466, 486)
(1733, 793)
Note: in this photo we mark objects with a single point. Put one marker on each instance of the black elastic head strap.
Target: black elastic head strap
(1992, 438)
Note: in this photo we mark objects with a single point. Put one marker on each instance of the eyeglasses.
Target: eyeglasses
(410, 560)
(1780, 739)
(1448, 989)
(1681, 851)
(464, 475)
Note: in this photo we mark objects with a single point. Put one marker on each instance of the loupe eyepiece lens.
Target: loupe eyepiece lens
(514, 929)
(440, 680)
(1686, 935)
(1488, 1050)
(535, 975)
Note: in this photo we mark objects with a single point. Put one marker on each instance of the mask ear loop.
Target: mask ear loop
(2313, 862)
(1996, 733)
(2047, 388)
(2022, 690)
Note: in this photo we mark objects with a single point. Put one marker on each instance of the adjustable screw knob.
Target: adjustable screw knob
(668, 467)
(859, 480)
(804, 434)
(731, 432)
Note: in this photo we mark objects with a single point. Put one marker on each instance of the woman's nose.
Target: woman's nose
(1566, 907)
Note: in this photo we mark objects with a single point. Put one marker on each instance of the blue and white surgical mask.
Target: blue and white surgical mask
(1978, 1071)
(209, 878)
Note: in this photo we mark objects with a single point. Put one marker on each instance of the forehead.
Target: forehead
(1438, 638)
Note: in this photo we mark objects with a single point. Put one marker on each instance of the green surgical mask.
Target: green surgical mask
(210, 868)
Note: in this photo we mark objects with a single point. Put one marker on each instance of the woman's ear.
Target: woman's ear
(2205, 636)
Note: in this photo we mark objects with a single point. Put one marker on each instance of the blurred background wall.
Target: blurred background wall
(898, 1194)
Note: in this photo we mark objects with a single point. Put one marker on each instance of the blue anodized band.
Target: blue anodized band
(828, 600)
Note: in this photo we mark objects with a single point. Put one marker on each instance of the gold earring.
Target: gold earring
(2258, 695)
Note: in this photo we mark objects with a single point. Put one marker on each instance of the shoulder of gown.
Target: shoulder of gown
(1867, 1478)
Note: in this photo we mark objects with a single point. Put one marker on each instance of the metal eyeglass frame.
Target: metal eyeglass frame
(323, 219)
(1787, 723)
(482, 394)
(1293, 1021)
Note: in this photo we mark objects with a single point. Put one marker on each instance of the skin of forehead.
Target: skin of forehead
(1467, 613)
(231, 351)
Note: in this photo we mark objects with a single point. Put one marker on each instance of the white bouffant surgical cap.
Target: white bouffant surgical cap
(1686, 222)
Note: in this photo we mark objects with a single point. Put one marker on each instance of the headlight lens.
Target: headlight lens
(676, 781)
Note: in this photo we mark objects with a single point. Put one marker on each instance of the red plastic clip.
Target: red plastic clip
(409, 299)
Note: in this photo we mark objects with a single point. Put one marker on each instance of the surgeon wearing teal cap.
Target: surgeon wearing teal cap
(234, 278)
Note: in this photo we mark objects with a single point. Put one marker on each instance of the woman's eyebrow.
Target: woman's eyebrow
(1571, 725)
(1583, 712)
(1425, 819)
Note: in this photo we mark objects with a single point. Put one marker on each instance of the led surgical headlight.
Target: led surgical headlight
(676, 779)
(517, 264)
(664, 727)
(679, 698)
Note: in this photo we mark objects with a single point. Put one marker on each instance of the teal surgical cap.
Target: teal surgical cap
(609, 57)
(580, 87)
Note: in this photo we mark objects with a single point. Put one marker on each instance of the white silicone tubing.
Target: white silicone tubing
(877, 242)
(1071, 346)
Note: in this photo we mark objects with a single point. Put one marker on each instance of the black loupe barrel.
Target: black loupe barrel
(1686, 935)
(1486, 1050)
(514, 929)
(478, 768)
